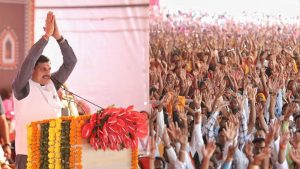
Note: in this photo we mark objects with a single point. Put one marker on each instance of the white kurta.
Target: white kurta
(41, 103)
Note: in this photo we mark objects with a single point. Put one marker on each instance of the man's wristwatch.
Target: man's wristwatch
(60, 40)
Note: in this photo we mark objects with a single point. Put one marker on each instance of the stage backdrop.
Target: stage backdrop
(16, 36)
(110, 39)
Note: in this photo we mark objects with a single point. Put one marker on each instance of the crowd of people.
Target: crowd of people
(225, 94)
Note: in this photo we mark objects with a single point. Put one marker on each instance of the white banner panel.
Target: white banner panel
(111, 43)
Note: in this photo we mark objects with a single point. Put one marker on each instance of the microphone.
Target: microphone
(73, 101)
(62, 86)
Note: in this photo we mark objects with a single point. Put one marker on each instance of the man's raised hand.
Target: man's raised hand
(56, 34)
(49, 24)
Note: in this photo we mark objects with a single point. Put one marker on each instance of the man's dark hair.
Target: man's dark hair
(42, 59)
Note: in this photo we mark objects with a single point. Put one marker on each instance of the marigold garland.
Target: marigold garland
(134, 158)
(44, 145)
(57, 147)
(51, 144)
(78, 140)
(35, 146)
(29, 152)
(33, 142)
(37, 155)
(57, 143)
(72, 143)
(65, 143)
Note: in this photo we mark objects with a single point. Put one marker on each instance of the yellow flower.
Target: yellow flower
(29, 159)
(51, 166)
(51, 143)
(57, 149)
(58, 123)
(58, 134)
(51, 131)
(58, 156)
(51, 149)
(51, 156)
(58, 120)
(57, 166)
(57, 145)
(52, 123)
(29, 166)
(51, 160)
(29, 130)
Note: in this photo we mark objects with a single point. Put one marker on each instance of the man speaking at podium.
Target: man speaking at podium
(35, 94)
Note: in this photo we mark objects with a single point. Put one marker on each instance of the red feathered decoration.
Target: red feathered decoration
(115, 128)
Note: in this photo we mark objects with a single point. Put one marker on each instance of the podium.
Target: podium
(104, 140)
(108, 159)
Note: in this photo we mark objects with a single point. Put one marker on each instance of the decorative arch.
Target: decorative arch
(8, 49)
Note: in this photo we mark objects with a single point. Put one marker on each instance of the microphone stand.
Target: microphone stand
(54, 80)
